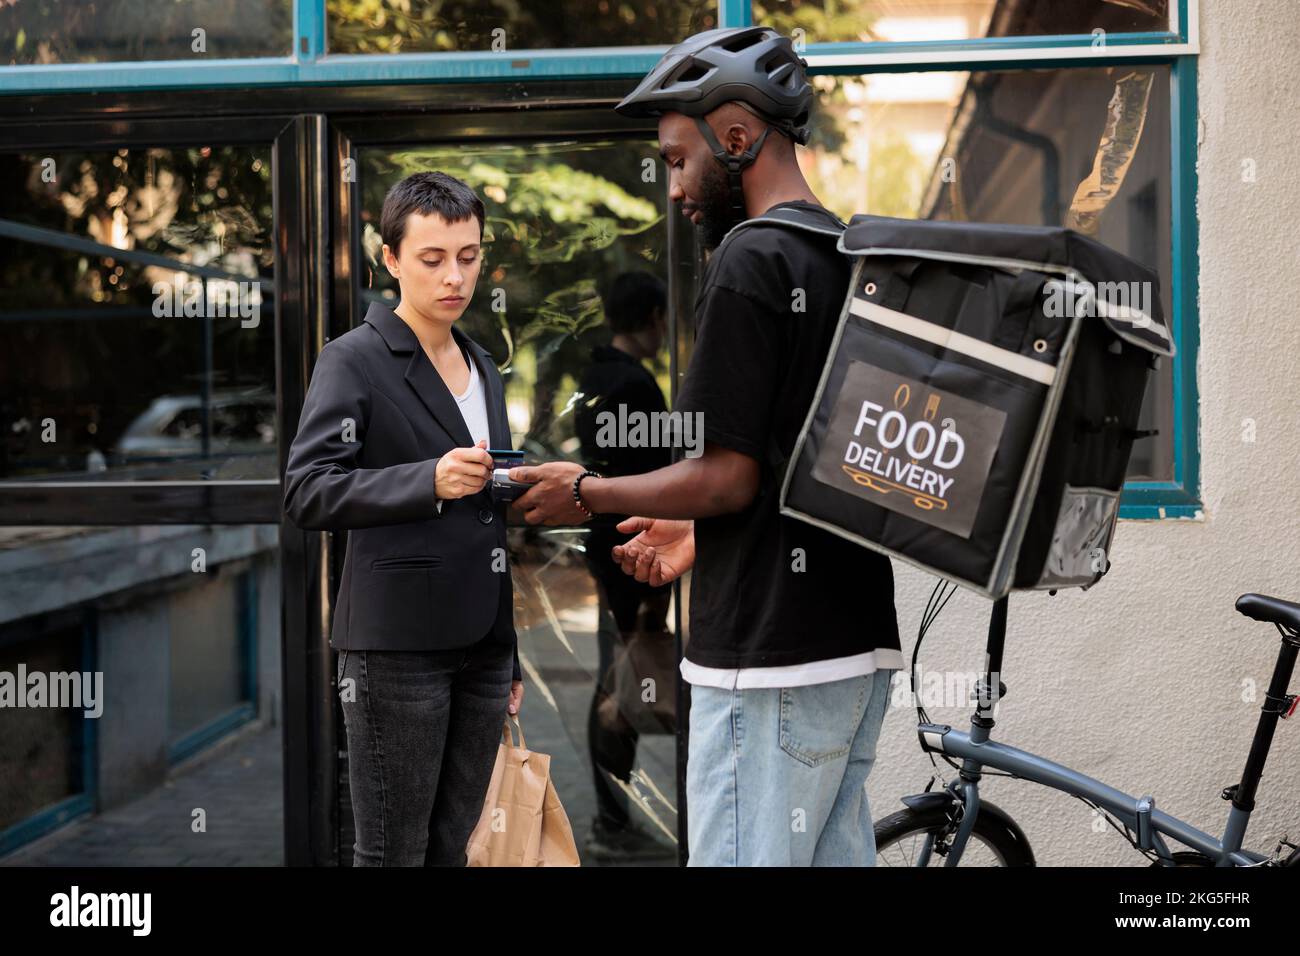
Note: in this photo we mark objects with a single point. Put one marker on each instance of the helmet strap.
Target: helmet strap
(735, 164)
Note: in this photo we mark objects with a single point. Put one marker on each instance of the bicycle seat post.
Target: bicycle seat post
(990, 689)
(1278, 705)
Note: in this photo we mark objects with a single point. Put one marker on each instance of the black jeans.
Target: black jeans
(423, 729)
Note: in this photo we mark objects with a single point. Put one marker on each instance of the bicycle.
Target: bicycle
(938, 827)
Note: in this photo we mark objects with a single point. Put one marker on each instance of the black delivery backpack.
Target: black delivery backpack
(980, 399)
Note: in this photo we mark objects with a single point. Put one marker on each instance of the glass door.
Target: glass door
(584, 274)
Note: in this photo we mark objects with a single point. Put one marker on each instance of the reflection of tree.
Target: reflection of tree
(861, 162)
(84, 312)
(431, 26)
(561, 222)
(897, 177)
(828, 120)
(199, 205)
(829, 21)
(80, 31)
(855, 168)
(822, 21)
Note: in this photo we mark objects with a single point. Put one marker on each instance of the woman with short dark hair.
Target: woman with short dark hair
(392, 447)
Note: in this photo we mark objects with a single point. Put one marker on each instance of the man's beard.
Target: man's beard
(716, 218)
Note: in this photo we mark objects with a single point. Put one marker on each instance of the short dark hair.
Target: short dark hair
(631, 299)
(427, 193)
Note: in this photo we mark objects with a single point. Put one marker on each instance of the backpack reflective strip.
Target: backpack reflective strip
(1013, 362)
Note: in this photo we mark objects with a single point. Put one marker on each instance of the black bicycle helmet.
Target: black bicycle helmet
(755, 66)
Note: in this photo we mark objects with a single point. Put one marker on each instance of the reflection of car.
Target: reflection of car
(240, 421)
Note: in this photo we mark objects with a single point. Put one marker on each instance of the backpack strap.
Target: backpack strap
(796, 217)
(804, 220)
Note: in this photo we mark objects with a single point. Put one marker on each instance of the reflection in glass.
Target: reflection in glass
(114, 31)
(153, 645)
(137, 332)
(637, 650)
(433, 26)
(915, 21)
(572, 304)
(1085, 148)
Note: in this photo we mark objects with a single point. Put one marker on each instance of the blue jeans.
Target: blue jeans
(777, 776)
(423, 730)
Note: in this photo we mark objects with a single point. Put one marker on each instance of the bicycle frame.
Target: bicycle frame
(977, 750)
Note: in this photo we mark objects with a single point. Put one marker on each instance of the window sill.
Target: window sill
(1158, 501)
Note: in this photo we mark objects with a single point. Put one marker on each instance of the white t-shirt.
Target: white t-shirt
(473, 408)
(793, 675)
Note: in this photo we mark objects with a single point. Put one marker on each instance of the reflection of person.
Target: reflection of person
(392, 447)
(615, 383)
(793, 630)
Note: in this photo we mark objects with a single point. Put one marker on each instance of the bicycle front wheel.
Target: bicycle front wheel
(994, 841)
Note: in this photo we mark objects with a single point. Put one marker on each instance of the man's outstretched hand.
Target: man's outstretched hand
(662, 551)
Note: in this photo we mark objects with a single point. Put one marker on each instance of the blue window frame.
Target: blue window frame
(311, 65)
(1178, 48)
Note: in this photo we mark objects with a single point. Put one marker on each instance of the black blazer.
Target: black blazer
(375, 421)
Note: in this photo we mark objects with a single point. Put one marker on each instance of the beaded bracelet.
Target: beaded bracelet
(577, 496)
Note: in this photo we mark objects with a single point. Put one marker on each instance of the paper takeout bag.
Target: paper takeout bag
(523, 823)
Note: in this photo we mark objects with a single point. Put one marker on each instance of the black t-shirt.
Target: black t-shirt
(756, 601)
(613, 378)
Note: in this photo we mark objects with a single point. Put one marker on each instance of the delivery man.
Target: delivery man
(793, 632)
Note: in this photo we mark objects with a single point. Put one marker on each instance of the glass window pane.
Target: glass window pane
(113, 31)
(910, 21)
(437, 26)
(1086, 148)
(159, 651)
(571, 302)
(137, 332)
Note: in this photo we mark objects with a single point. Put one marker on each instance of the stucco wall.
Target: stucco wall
(1145, 681)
